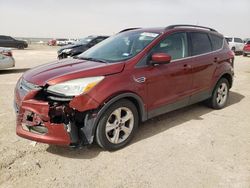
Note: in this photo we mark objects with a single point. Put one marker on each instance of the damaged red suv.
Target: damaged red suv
(104, 93)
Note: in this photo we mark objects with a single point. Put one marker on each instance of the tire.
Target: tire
(220, 95)
(244, 54)
(20, 47)
(114, 136)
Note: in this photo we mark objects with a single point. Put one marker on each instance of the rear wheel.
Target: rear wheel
(220, 95)
(117, 125)
(244, 54)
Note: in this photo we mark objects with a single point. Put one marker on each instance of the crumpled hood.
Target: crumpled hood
(68, 69)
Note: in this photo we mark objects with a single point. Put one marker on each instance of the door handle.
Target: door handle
(186, 67)
(216, 60)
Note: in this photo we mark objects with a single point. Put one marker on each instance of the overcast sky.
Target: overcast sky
(79, 18)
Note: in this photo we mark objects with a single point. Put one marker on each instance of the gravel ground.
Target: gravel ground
(192, 147)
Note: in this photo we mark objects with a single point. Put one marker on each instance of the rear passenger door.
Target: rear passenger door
(203, 64)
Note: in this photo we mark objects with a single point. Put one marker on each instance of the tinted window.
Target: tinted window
(200, 43)
(99, 40)
(5, 38)
(238, 40)
(248, 42)
(217, 42)
(229, 39)
(174, 45)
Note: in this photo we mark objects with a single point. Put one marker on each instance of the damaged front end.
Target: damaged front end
(52, 119)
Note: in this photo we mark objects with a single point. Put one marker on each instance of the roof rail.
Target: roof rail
(186, 25)
(128, 29)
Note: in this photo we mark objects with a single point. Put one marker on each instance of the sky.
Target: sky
(80, 18)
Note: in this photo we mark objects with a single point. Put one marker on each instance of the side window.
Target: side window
(92, 43)
(238, 40)
(229, 39)
(99, 40)
(200, 43)
(174, 45)
(3, 38)
(217, 42)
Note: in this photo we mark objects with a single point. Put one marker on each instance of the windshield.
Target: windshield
(85, 40)
(120, 47)
(229, 39)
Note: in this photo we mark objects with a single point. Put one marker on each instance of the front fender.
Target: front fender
(92, 118)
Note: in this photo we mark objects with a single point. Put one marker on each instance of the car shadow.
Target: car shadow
(13, 71)
(148, 129)
(86, 152)
(166, 121)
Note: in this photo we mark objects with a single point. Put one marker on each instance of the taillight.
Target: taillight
(231, 57)
(231, 53)
(9, 53)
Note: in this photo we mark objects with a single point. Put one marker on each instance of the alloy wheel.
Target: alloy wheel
(119, 125)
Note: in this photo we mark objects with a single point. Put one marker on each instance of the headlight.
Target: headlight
(66, 50)
(75, 87)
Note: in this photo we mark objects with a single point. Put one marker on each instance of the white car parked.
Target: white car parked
(63, 42)
(235, 44)
(6, 58)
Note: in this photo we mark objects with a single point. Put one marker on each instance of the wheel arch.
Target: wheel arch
(134, 98)
(92, 118)
(229, 78)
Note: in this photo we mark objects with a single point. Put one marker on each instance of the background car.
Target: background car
(52, 42)
(61, 42)
(6, 58)
(79, 47)
(235, 44)
(246, 40)
(246, 49)
(7, 41)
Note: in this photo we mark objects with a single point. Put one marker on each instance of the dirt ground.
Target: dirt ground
(192, 147)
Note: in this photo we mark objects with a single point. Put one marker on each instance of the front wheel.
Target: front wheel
(220, 95)
(117, 125)
(20, 47)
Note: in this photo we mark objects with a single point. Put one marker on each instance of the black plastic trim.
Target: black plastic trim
(93, 117)
(192, 26)
(168, 108)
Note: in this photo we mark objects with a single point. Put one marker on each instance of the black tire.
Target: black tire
(214, 101)
(20, 47)
(244, 54)
(103, 139)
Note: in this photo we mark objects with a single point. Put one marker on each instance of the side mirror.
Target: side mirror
(160, 58)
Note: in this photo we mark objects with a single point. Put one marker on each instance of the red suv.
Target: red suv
(102, 94)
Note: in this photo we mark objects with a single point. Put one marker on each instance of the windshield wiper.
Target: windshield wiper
(92, 59)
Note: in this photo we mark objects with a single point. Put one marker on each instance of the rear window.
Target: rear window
(238, 40)
(217, 42)
(200, 43)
